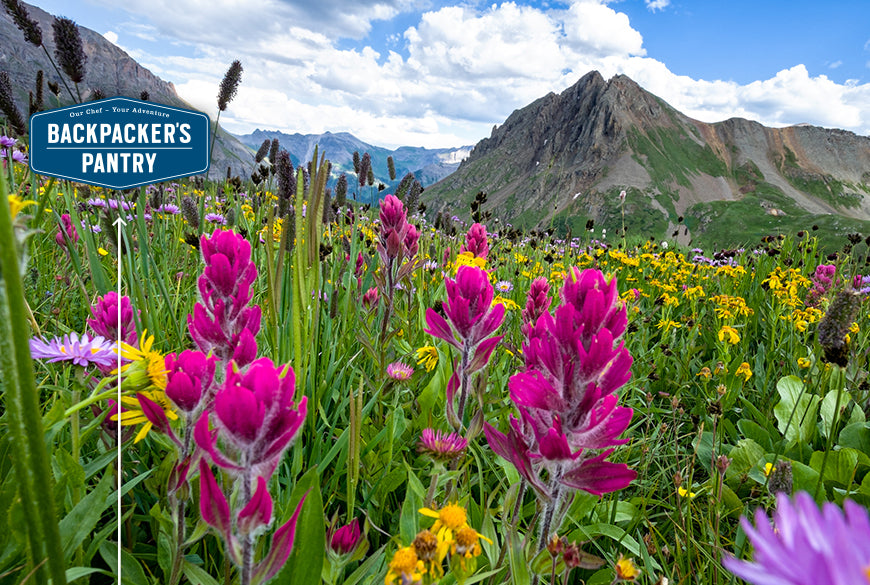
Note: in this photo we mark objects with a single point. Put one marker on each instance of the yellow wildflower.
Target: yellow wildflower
(854, 328)
(102, 251)
(729, 335)
(705, 373)
(743, 370)
(684, 493)
(449, 520)
(466, 546)
(427, 357)
(405, 567)
(804, 363)
(800, 325)
(508, 304)
(668, 324)
(468, 259)
(16, 204)
(626, 570)
(768, 469)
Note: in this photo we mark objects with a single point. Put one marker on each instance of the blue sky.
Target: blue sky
(441, 73)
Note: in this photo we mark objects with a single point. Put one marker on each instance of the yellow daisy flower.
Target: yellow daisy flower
(16, 204)
(729, 335)
(449, 520)
(427, 356)
(146, 368)
(626, 570)
(743, 370)
(804, 363)
(405, 567)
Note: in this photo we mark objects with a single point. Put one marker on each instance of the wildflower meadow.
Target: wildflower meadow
(216, 382)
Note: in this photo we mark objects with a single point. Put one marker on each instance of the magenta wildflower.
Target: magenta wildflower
(471, 320)
(80, 350)
(105, 321)
(255, 418)
(441, 446)
(574, 363)
(189, 379)
(806, 546)
(370, 299)
(257, 513)
(213, 505)
(537, 302)
(822, 281)
(345, 539)
(66, 231)
(223, 322)
(475, 241)
(394, 228)
(399, 371)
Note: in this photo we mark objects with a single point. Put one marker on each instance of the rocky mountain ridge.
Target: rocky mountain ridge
(564, 159)
(108, 69)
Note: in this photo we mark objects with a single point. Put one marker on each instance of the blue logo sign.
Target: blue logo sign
(119, 143)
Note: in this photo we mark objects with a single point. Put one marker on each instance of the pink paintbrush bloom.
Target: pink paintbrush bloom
(471, 316)
(257, 514)
(394, 228)
(213, 505)
(537, 301)
(370, 299)
(575, 362)
(189, 379)
(282, 544)
(475, 241)
(66, 231)
(105, 321)
(345, 539)
(255, 417)
(222, 322)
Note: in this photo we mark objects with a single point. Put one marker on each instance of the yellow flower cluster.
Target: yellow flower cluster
(449, 535)
(729, 307)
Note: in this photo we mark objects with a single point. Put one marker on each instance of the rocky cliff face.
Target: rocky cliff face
(564, 159)
(108, 69)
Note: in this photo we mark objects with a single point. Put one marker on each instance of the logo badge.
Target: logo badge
(119, 143)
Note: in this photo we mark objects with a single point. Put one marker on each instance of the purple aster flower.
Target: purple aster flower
(114, 204)
(399, 371)
(95, 202)
(441, 446)
(17, 156)
(215, 218)
(80, 350)
(504, 286)
(169, 208)
(806, 546)
(7, 141)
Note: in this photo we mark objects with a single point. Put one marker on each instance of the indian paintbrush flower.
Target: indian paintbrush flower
(66, 231)
(105, 321)
(471, 320)
(189, 379)
(475, 241)
(255, 418)
(344, 540)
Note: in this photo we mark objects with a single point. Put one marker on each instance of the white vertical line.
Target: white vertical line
(119, 222)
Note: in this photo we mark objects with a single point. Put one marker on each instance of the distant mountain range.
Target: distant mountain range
(109, 70)
(564, 159)
(429, 165)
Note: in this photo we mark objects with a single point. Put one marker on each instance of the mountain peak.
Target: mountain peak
(565, 157)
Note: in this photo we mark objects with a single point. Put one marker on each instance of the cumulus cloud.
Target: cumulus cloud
(453, 73)
(111, 36)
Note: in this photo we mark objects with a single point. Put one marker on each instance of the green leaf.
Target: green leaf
(131, 570)
(517, 560)
(744, 456)
(164, 553)
(856, 436)
(840, 465)
(369, 567)
(829, 403)
(74, 573)
(197, 575)
(801, 424)
(305, 564)
(79, 523)
(753, 430)
(804, 477)
(409, 519)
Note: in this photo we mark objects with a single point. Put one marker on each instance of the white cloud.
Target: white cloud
(448, 78)
(835, 64)
(654, 5)
(111, 36)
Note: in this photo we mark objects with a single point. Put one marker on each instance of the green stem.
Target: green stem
(34, 476)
